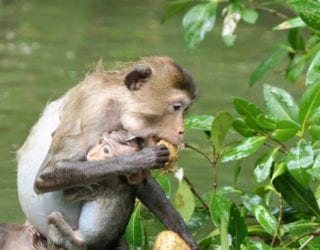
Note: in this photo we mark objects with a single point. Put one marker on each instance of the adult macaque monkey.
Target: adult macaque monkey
(148, 99)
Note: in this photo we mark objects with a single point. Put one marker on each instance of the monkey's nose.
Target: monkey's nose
(181, 132)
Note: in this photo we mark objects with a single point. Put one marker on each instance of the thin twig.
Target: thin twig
(195, 192)
(272, 11)
(281, 206)
(198, 151)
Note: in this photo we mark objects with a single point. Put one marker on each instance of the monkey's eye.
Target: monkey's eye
(100, 141)
(106, 151)
(177, 107)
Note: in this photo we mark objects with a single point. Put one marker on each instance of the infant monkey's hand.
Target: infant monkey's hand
(173, 150)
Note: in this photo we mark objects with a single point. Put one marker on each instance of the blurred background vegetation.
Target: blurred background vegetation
(46, 47)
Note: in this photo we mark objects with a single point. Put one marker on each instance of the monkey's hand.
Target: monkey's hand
(173, 155)
(152, 157)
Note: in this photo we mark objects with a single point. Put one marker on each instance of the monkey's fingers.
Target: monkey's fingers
(173, 150)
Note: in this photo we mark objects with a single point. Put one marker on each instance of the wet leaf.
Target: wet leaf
(266, 122)
(314, 131)
(265, 218)
(310, 100)
(280, 104)
(247, 109)
(300, 198)
(220, 127)
(313, 74)
(249, 15)
(184, 201)
(315, 170)
(263, 165)
(243, 149)
(309, 11)
(172, 8)
(268, 65)
(135, 231)
(296, 39)
(219, 208)
(295, 68)
(285, 130)
(165, 184)
(197, 22)
(230, 23)
(237, 227)
(298, 160)
(254, 204)
(199, 122)
(242, 128)
(296, 22)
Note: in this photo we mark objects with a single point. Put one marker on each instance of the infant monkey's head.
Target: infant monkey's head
(112, 144)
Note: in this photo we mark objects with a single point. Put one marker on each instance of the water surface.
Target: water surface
(48, 46)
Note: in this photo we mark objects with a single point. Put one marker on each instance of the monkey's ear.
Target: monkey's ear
(135, 79)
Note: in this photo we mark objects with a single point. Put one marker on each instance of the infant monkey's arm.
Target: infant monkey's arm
(113, 144)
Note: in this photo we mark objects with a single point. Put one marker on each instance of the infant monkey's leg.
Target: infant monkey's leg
(60, 234)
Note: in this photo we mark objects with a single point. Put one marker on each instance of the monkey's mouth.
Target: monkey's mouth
(145, 142)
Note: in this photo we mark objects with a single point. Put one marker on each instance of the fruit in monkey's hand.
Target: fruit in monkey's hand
(173, 150)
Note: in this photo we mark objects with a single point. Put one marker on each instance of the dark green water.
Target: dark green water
(48, 46)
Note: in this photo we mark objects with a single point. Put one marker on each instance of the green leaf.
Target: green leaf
(295, 68)
(300, 198)
(264, 164)
(242, 128)
(249, 15)
(135, 231)
(184, 201)
(245, 148)
(220, 127)
(219, 208)
(296, 40)
(199, 122)
(279, 169)
(309, 11)
(165, 184)
(314, 131)
(258, 245)
(265, 218)
(266, 122)
(310, 100)
(172, 8)
(268, 65)
(313, 74)
(254, 204)
(285, 130)
(298, 160)
(296, 22)
(280, 104)
(247, 109)
(237, 227)
(230, 23)
(315, 170)
(197, 22)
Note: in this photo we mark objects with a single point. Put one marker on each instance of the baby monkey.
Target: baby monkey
(111, 144)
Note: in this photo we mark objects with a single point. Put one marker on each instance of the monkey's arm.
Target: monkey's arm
(66, 174)
(152, 196)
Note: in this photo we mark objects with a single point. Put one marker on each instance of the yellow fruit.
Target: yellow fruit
(168, 240)
(173, 150)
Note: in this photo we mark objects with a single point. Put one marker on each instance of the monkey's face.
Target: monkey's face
(164, 121)
(159, 94)
(112, 144)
